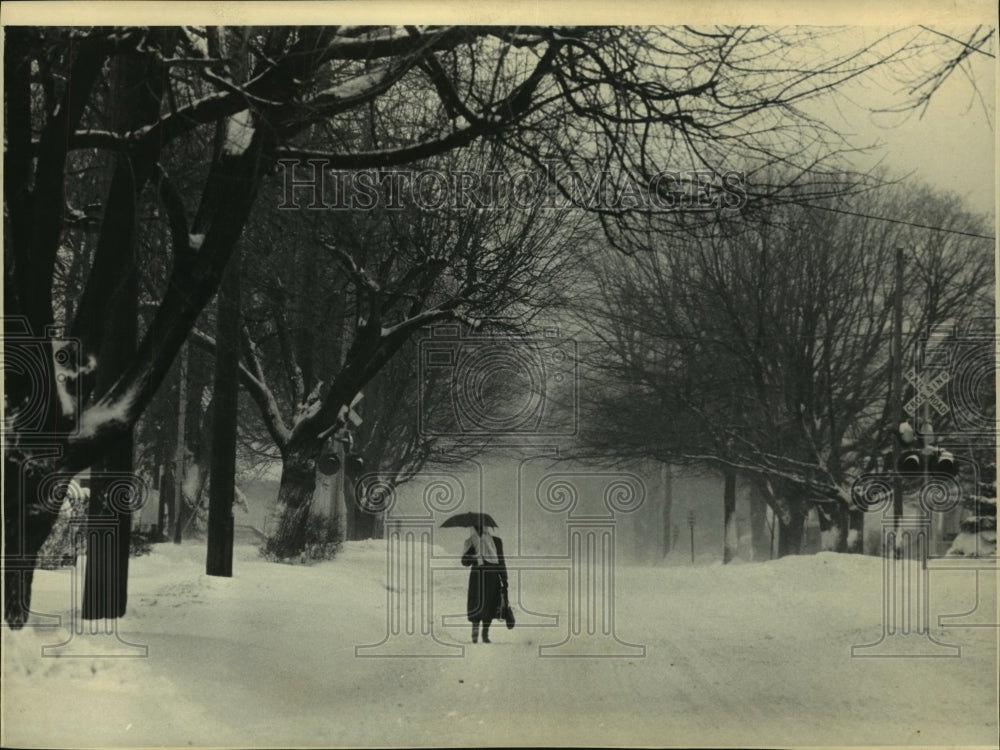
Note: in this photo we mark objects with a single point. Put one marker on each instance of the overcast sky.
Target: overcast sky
(951, 147)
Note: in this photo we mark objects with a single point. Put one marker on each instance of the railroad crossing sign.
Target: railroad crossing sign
(352, 415)
(926, 392)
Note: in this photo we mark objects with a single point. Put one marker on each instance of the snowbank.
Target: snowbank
(753, 654)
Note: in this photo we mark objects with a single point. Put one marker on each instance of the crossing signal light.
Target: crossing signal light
(354, 465)
(912, 462)
(944, 463)
(928, 459)
(919, 456)
(329, 461)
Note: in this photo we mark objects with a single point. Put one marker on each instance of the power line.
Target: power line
(901, 221)
(967, 45)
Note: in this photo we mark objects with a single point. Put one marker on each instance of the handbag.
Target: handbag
(504, 612)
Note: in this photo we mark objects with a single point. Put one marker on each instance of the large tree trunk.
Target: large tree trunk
(361, 522)
(165, 512)
(108, 321)
(105, 591)
(666, 485)
(105, 588)
(856, 532)
(298, 476)
(760, 534)
(295, 494)
(26, 527)
(842, 516)
(792, 528)
(222, 489)
(180, 450)
(833, 527)
(196, 472)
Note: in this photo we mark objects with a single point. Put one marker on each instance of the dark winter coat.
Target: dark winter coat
(486, 582)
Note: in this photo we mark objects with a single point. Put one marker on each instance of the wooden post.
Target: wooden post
(179, 455)
(666, 483)
(337, 510)
(761, 538)
(730, 540)
(691, 524)
(222, 487)
(896, 406)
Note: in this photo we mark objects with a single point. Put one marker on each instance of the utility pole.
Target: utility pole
(691, 525)
(225, 402)
(896, 406)
(337, 511)
(666, 488)
(730, 541)
(338, 487)
(179, 454)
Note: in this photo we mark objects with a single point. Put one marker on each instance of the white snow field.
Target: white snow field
(738, 655)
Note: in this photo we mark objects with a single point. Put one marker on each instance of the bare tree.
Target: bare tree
(404, 270)
(636, 100)
(941, 56)
(392, 441)
(764, 349)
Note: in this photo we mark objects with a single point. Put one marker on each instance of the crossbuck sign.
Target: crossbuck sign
(926, 391)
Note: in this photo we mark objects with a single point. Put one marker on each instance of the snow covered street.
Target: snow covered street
(751, 654)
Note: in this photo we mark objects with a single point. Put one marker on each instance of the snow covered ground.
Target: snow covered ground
(750, 654)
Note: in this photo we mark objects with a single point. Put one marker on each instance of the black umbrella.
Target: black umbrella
(469, 519)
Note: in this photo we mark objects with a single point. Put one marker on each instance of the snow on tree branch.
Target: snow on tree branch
(357, 273)
(258, 390)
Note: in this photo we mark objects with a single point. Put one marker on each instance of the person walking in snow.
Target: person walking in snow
(487, 579)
